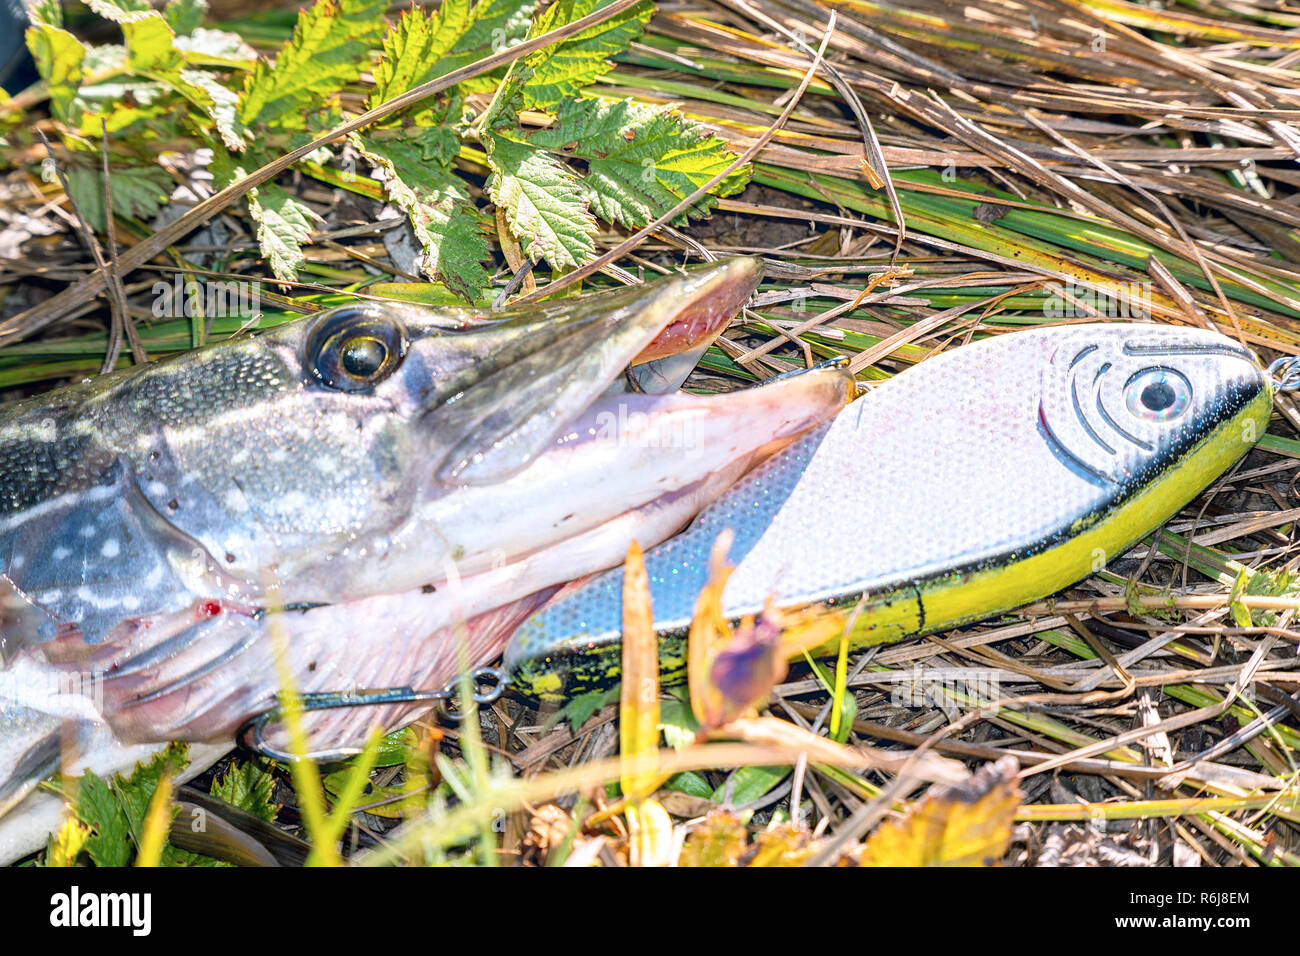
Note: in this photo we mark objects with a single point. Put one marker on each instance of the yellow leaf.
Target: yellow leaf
(157, 824)
(718, 841)
(788, 845)
(964, 825)
(68, 843)
(811, 628)
(709, 630)
(721, 841)
(649, 834)
(639, 706)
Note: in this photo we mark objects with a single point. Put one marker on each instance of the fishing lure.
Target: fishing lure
(985, 478)
(1002, 471)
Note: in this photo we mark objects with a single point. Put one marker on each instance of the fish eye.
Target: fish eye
(353, 350)
(362, 356)
(1158, 395)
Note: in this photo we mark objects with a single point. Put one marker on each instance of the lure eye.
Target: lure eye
(353, 350)
(1158, 395)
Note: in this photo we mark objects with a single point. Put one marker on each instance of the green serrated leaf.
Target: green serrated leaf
(494, 25)
(90, 122)
(110, 843)
(414, 48)
(329, 49)
(175, 856)
(558, 73)
(150, 45)
(283, 225)
(421, 182)
(59, 56)
(134, 793)
(121, 11)
(104, 58)
(641, 160)
(221, 104)
(47, 12)
(137, 193)
(544, 202)
(120, 100)
(216, 48)
(66, 844)
(250, 788)
(115, 812)
(185, 16)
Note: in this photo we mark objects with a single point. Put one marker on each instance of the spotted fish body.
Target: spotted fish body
(999, 473)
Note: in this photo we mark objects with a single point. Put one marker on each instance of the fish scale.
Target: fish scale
(999, 473)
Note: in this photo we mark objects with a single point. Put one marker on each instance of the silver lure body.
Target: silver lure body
(981, 458)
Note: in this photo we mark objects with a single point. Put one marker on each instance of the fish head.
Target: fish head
(365, 449)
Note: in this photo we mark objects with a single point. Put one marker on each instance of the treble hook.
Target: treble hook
(252, 734)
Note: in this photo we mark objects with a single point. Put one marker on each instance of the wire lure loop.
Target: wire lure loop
(1284, 373)
(489, 684)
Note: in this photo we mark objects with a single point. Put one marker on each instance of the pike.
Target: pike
(361, 484)
(380, 488)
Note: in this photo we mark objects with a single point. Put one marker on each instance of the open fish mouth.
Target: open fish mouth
(365, 450)
(426, 439)
(537, 371)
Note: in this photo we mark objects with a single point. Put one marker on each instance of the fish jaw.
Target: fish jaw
(491, 421)
(636, 450)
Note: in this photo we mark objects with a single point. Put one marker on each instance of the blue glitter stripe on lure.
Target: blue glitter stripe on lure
(594, 615)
